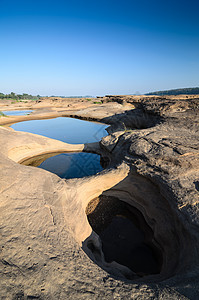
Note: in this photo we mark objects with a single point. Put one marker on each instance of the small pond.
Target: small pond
(16, 112)
(68, 130)
(73, 165)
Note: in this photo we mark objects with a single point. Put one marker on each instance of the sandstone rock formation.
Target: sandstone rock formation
(51, 250)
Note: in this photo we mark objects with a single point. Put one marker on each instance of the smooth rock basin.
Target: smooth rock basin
(125, 236)
(69, 130)
(123, 242)
(68, 165)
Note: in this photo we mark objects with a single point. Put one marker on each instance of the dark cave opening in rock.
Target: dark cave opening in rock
(125, 236)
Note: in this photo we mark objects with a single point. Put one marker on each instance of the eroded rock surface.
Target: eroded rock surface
(152, 158)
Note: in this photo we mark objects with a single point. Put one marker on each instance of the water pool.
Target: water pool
(68, 130)
(73, 165)
(16, 112)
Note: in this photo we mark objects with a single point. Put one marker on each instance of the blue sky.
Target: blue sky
(98, 47)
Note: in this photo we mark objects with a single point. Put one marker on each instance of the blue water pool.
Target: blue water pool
(73, 165)
(16, 112)
(67, 130)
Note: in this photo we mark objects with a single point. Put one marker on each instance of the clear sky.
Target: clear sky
(92, 47)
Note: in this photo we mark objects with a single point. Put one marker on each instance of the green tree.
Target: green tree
(12, 95)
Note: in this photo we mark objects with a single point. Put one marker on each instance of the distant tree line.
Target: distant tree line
(185, 91)
(18, 96)
(87, 96)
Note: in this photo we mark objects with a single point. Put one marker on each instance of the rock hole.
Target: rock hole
(125, 236)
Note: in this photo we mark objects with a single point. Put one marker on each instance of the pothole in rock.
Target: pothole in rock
(68, 165)
(125, 236)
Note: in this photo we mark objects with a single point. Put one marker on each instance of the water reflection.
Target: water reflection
(73, 165)
(16, 112)
(67, 130)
